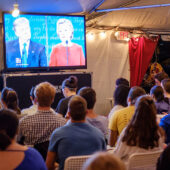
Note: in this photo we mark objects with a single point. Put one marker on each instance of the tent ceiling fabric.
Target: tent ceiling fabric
(153, 18)
(143, 19)
(50, 6)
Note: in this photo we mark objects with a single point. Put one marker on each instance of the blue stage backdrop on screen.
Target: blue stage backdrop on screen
(44, 41)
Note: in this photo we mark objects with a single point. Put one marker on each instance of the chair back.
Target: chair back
(143, 161)
(75, 162)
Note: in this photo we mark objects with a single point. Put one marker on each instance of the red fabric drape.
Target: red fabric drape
(141, 50)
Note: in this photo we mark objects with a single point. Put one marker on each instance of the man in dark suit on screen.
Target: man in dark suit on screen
(23, 52)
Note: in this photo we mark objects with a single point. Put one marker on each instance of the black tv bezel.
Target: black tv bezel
(41, 69)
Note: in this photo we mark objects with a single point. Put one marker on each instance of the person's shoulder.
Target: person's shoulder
(36, 44)
(166, 118)
(12, 42)
(93, 129)
(28, 118)
(59, 45)
(76, 45)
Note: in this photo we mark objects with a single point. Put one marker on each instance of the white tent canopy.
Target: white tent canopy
(106, 58)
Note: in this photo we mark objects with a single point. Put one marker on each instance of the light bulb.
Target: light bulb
(90, 36)
(15, 12)
(102, 34)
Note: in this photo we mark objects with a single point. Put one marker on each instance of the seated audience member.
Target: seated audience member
(36, 129)
(69, 87)
(100, 122)
(164, 159)
(103, 161)
(120, 98)
(142, 133)
(9, 100)
(121, 118)
(76, 138)
(159, 77)
(161, 103)
(32, 109)
(13, 155)
(165, 121)
(122, 81)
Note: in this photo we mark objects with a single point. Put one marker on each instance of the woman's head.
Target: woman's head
(69, 85)
(142, 130)
(157, 93)
(65, 30)
(9, 99)
(8, 127)
(120, 95)
(104, 161)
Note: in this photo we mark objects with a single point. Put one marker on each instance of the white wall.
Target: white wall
(108, 60)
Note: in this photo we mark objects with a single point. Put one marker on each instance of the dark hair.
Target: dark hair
(160, 76)
(70, 83)
(142, 131)
(166, 85)
(10, 98)
(32, 93)
(8, 127)
(135, 92)
(158, 93)
(120, 95)
(121, 81)
(77, 107)
(164, 159)
(89, 95)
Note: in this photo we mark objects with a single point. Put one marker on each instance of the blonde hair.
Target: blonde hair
(104, 161)
(20, 21)
(67, 22)
(45, 93)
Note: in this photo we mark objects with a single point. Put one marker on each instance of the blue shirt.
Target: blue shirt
(76, 139)
(32, 160)
(165, 124)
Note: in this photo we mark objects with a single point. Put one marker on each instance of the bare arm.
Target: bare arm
(113, 135)
(50, 160)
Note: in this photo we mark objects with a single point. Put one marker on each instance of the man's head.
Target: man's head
(122, 81)
(77, 108)
(45, 93)
(159, 77)
(134, 93)
(89, 95)
(22, 29)
(65, 29)
(166, 86)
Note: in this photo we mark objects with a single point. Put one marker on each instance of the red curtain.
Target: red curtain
(141, 50)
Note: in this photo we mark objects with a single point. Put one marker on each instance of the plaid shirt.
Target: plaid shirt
(38, 128)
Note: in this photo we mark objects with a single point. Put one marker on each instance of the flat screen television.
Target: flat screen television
(44, 42)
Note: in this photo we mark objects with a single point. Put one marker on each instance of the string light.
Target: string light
(90, 36)
(15, 12)
(103, 34)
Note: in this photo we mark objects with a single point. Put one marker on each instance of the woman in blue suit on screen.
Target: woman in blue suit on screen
(66, 53)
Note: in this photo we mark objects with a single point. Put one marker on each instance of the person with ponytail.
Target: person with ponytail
(142, 133)
(69, 87)
(9, 99)
(13, 155)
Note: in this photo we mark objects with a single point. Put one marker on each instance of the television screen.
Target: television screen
(38, 41)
